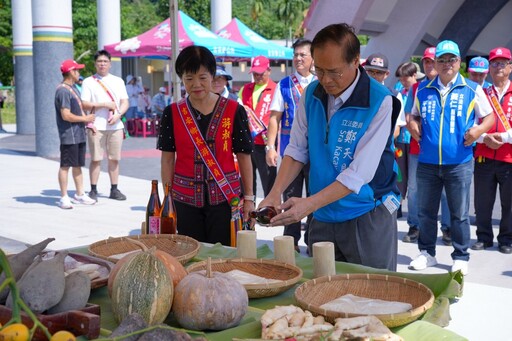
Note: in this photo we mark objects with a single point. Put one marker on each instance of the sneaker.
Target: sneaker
(423, 261)
(447, 238)
(93, 194)
(412, 235)
(461, 265)
(117, 195)
(84, 199)
(65, 203)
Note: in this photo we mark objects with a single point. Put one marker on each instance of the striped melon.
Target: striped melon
(143, 285)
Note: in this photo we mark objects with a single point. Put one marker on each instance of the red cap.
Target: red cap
(430, 53)
(260, 64)
(70, 64)
(500, 52)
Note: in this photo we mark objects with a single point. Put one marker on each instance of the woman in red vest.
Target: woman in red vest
(198, 137)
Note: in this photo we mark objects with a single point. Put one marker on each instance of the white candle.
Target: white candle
(323, 259)
(284, 249)
(246, 244)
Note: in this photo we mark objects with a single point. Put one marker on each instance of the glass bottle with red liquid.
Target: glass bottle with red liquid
(263, 215)
(153, 210)
(168, 220)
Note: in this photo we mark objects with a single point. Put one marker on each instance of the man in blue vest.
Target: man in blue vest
(343, 128)
(445, 119)
(284, 104)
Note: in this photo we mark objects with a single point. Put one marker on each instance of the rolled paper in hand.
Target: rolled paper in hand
(284, 249)
(246, 244)
(323, 259)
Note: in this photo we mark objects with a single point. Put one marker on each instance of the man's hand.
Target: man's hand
(114, 118)
(294, 210)
(414, 127)
(493, 141)
(89, 118)
(271, 158)
(471, 136)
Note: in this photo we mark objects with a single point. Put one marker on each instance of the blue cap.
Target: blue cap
(221, 71)
(447, 46)
(478, 64)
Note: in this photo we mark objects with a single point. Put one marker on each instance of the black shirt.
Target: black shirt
(241, 138)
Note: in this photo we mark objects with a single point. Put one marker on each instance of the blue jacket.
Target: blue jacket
(332, 145)
(444, 121)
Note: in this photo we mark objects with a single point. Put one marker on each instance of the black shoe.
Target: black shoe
(481, 246)
(93, 194)
(117, 195)
(507, 249)
(447, 238)
(412, 235)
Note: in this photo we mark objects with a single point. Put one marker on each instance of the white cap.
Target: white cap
(161, 89)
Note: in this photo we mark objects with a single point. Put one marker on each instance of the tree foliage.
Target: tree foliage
(271, 19)
(6, 65)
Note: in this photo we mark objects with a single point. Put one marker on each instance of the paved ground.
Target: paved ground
(28, 207)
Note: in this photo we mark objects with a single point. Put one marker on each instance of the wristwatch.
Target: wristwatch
(250, 198)
(267, 147)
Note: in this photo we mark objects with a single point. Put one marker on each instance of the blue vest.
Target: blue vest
(405, 135)
(444, 121)
(288, 91)
(332, 145)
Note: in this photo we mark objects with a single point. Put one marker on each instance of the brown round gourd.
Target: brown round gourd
(206, 300)
(142, 285)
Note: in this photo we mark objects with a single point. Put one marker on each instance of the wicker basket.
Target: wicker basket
(288, 274)
(313, 293)
(183, 248)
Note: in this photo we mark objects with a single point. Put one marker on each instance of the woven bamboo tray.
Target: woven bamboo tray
(288, 274)
(313, 293)
(183, 248)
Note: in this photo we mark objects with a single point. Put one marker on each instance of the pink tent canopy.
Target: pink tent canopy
(157, 41)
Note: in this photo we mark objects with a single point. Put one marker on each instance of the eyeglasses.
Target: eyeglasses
(499, 64)
(375, 72)
(334, 75)
(447, 61)
(301, 55)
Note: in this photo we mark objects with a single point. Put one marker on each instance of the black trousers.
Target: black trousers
(267, 174)
(208, 224)
(490, 175)
(295, 190)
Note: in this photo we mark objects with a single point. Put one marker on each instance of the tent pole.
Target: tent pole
(176, 86)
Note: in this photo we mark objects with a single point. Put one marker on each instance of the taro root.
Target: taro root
(76, 293)
(20, 262)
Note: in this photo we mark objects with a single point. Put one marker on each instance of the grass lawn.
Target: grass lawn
(8, 114)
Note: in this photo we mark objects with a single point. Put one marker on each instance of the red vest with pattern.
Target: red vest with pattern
(191, 176)
(503, 153)
(263, 106)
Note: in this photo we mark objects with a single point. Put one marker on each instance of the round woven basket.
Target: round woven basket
(287, 274)
(316, 292)
(183, 248)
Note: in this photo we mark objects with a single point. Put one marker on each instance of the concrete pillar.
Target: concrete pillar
(406, 29)
(53, 42)
(330, 12)
(221, 14)
(23, 71)
(109, 29)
